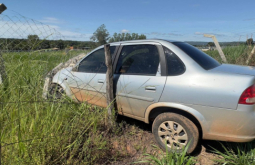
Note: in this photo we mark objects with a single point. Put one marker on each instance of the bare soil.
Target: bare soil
(135, 139)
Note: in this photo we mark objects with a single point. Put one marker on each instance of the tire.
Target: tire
(56, 92)
(174, 132)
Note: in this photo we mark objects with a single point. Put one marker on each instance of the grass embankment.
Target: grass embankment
(38, 132)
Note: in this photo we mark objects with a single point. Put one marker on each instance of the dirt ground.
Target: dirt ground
(135, 139)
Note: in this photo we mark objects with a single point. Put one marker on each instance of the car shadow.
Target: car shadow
(134, 122)
(210, 146)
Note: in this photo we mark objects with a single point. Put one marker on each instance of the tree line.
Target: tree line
(101, 36)
(33, 42)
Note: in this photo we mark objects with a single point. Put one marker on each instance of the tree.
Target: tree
(45, 44)
(142, 36)
(210, 44)
(32, 41)
(126, 37)
(101, 35)
(32, 37)
(60, 44)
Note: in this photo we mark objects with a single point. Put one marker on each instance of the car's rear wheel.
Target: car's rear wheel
(56, 91)
(174, 132)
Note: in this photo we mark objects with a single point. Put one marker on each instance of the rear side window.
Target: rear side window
(174, 65)
(204, 60)
(95, 62)
(138, 60)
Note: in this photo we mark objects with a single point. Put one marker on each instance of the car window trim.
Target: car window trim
(162, 59)
(113, 58)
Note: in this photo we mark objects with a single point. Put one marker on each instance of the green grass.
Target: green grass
(234, 54)
(237, 154)
(37, 132)
(169, 158)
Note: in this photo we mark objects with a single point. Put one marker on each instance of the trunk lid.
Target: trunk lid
(235, 69)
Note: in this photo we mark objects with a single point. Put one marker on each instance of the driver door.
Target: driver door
(88, 81)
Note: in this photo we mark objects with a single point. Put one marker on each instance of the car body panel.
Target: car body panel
(86, 88)
(60, 79)
(235, 69)
(217, 123)
(227, 124)
(134, 93)
(212, 89)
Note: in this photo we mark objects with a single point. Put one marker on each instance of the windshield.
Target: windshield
(204, 60)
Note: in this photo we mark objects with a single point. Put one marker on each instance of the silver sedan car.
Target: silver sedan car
(185, 94)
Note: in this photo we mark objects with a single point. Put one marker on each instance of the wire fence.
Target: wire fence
(29, 51)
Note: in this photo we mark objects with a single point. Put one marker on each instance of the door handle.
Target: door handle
(150, 88)
(100, 81)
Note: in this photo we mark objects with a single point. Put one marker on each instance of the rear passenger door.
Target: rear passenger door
(139, 77)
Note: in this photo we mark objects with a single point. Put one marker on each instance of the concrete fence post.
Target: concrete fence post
(250, 56)
(217, 46)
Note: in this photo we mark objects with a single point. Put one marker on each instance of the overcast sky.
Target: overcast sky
(183, 20)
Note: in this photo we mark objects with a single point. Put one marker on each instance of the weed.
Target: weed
(169, 158)
(236, 154)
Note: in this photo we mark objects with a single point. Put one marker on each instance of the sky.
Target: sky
(182, 20)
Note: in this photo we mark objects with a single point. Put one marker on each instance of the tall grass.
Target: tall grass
(35, 131)
(234, 54)
(237, 154)
(170, 158)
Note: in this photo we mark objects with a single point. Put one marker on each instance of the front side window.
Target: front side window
(174, 65)
(95, 62)
(138, 60)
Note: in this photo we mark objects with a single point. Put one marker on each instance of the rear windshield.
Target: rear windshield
(204, 60)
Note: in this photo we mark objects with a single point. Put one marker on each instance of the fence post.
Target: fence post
(217, 46)
(109, 85)
(3, 76)
(250, 55)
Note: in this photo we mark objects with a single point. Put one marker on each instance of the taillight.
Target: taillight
(248, 96)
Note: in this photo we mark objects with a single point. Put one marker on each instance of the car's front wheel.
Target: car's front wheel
(174, 132)
(56, 91)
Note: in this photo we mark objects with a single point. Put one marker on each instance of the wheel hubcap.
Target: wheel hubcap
(173, 135)
(57, 92)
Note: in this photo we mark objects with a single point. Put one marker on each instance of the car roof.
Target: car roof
(145, 40)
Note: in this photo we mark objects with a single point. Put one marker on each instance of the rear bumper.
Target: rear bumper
(230, 125)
